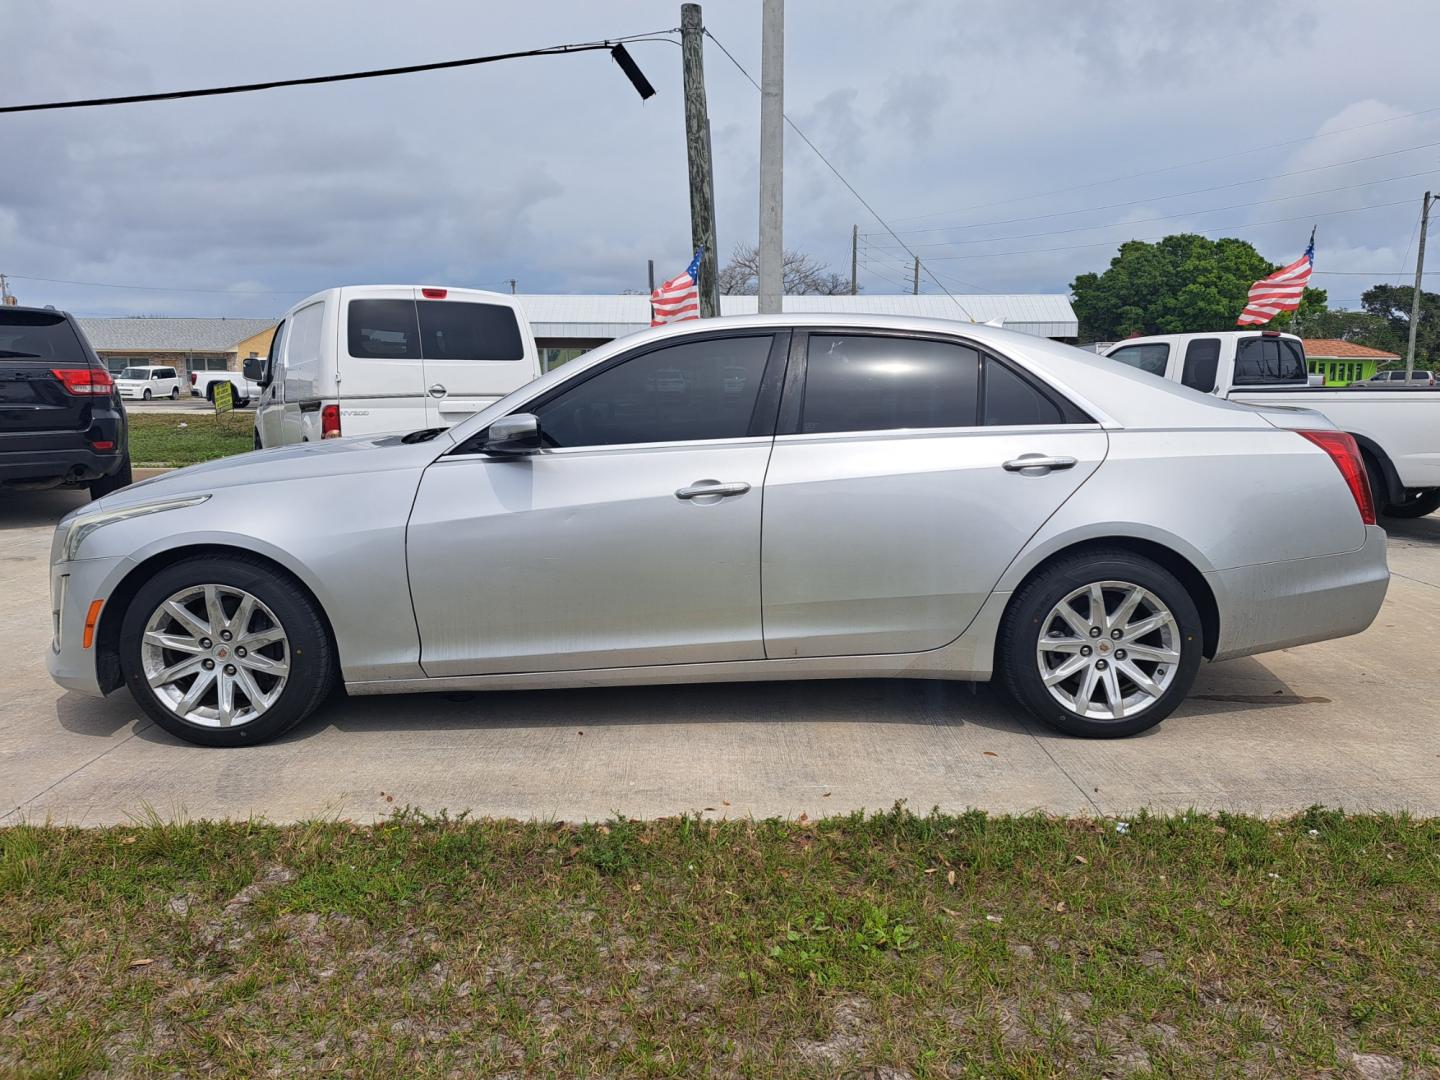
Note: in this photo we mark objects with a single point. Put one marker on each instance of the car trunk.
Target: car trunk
(33, 399)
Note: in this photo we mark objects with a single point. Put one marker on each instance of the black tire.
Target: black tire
(311, 656)
(258, 446)
(147, 395)
(122, 477)
(175, 393)
(1415, 506)
(1027, 617)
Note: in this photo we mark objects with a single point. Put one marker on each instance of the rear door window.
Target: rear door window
(860, 382)
(42, 335)
(384, 329)
(1010, 399)
(1202, 360)
(451, 330)
(1260, 360)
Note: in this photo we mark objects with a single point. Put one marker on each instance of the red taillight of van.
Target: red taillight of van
(432, 293)
(84, 382)
(193, 378)
(330, 422)
(1345, 452)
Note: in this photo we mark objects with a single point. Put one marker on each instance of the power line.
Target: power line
(1172, 168)
(1370, 273)
(1172, 217)
(1171, 195)
(839, 176)
(349, 76)
(1215, 229)
(182, 289)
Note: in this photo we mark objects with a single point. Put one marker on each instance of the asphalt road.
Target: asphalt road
(1352, 723)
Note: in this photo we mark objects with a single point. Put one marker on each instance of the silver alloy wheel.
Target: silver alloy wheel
(215, 655)
(1110, 639)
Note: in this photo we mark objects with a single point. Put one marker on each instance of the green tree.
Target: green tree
(1182, 284)
(1391, 303)
(1361, 327)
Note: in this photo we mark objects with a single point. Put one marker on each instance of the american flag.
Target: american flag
(1281, 291)
(678, 298)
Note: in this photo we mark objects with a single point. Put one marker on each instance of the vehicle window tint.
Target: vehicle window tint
(383, 329)
(871, 383)
(1151, 358)
(698, 390)
(1263, 360)
(44, 335)
(451, 330)
(1202, 360)
(1009, 399)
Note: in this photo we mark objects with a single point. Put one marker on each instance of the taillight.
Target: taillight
(431, 293)
(84, 382)
(330, 422)
(1344, 451)
(193, 379)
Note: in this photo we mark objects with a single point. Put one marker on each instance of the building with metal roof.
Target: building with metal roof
(187, 344)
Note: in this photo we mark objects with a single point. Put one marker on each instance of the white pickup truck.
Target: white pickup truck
(1398, 430)
(242, 390)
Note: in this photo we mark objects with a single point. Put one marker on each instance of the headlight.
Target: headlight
(72, 533)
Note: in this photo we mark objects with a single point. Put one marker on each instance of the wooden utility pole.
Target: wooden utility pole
(697, 147)
(1419, 279)
(771, 271)
(854, 258)
(916, 289)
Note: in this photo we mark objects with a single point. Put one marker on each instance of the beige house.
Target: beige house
(186, 344)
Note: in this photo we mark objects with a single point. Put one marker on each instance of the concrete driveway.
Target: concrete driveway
(1352, 723)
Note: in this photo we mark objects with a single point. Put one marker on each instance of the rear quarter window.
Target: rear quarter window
(1264, 360)
(45, 335)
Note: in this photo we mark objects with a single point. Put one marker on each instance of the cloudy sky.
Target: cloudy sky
(1012, 143)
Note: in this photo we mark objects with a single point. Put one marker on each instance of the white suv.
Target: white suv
(148, 382)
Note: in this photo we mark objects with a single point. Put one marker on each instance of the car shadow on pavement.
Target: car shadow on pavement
(31, 509)
(1422, 530)
(82, 714)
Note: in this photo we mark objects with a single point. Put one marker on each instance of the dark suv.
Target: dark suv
(61, 418)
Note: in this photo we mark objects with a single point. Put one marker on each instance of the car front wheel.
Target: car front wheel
(146, 395)
(1102, 644)
(225, 651)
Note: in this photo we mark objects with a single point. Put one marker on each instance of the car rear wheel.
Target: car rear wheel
(175, 393)
(1101, 645)
(122, 477)
(225, 651)
(1414, 506)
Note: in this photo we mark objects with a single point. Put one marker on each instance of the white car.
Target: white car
(148, 382)
(378, 359)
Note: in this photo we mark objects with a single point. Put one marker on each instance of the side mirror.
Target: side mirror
(255, 370)
(518, 433)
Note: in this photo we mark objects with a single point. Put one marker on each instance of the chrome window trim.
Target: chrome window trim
(614, 448)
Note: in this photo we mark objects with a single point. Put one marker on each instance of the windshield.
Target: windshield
(135, 373)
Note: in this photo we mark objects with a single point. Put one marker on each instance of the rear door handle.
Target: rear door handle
(707, 489)
(1026, 462)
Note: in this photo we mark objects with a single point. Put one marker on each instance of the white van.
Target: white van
(147, 383)
(376, 359)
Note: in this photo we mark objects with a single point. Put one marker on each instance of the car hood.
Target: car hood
(307, 460)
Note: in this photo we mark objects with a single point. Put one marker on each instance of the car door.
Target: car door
(633, 539)
(473, 352)
(380, 362)
(898, 490)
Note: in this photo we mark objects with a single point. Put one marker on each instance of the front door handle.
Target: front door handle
(437, 391)
(712, 490)
(1025, 462)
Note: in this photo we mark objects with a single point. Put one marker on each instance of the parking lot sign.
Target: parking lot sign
(224, 402)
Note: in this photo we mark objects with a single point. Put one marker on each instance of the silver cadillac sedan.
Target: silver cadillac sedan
(774, 497)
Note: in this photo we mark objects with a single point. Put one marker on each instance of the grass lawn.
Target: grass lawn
(185, 438)
(885, 946)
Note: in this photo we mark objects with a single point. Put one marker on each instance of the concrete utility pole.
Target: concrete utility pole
(772, 156)
(854, 258)
(697, 147)
(916, 289)
(1419, 279)
(652, 274)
